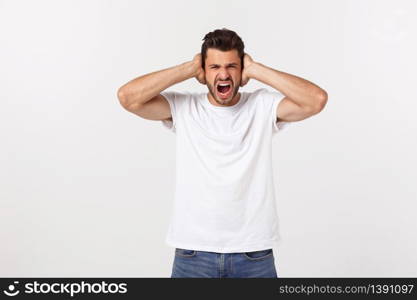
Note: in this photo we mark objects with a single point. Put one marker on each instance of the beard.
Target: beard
(213, 92)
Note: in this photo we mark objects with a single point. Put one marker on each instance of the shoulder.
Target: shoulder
(179, 97)
(257, 93)
(266, 97)
(175, 95)
(266, 94)
(181, 100)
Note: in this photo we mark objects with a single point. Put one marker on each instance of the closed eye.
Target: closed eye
(216, 67)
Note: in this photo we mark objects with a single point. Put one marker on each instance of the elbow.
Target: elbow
(321, 101)
(122, 96)
(129, 101)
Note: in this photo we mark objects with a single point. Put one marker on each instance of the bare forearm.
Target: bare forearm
(301, 91)
(145, 87)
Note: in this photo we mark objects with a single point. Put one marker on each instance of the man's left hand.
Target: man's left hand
(247, 63)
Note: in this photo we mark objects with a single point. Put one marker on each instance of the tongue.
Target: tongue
(223, 89)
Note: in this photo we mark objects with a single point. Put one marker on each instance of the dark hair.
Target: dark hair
(224, 40)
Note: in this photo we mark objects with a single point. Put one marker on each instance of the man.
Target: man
(224, 221)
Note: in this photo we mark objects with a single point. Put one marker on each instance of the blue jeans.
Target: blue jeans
(201, 264)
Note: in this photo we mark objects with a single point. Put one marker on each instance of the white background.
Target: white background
(86, 187)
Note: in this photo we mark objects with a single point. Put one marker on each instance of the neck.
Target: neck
(231, 103)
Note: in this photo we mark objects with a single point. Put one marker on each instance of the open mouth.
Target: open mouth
(224, 89)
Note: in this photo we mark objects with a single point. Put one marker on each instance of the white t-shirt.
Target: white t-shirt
(224, 194)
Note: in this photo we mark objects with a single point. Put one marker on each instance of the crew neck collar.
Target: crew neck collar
(207, 103)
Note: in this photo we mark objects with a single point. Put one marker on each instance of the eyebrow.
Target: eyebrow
(230, 64)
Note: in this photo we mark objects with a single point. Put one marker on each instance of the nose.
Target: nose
(224, 75)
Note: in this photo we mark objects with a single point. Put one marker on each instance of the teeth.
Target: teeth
(224, 84)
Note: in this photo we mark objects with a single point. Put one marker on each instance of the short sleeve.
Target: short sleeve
(170, 96)
(272, 100)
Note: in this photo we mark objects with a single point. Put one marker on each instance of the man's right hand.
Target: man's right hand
(142, 96)
(198, 69)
